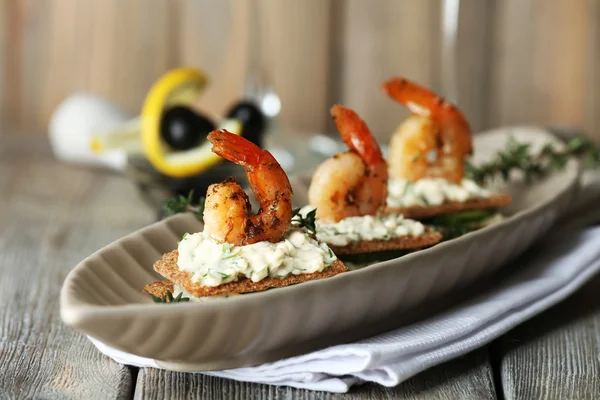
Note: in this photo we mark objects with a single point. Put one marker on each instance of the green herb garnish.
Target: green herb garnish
(371, 258)
(464, 217)
(168, 298)
(232, 255)
(307, 221)
(225, 248)
(458, 224)
(517, 156)
(183, 204)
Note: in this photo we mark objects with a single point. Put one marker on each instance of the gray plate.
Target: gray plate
(102, 297)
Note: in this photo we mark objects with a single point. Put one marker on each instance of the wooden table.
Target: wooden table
(53, 215)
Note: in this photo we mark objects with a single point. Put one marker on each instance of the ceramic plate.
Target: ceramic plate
(102, 297)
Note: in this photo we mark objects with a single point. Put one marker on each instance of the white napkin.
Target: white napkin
(544, 278)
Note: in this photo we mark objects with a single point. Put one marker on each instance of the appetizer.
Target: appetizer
(238, 251)
(349, 193)
(427, 156)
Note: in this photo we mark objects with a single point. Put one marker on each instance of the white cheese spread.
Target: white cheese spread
(432, 192)
(367, 227)
(212, 263)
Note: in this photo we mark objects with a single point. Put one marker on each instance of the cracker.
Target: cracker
(421, 212)
(399, 243)
(159, 288)
(167, 267)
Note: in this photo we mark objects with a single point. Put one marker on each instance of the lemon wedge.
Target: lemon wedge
(180, 86)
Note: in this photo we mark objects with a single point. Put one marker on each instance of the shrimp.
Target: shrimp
(352, 183)
(434, 142)
(227, 209)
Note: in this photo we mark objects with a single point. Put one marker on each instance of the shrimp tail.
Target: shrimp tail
(417, 99)
(235, 148)
(245, 153)
(424, 102)
(356, 134)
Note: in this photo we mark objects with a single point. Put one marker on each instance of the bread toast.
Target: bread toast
(421, 212)
(399, 243)
(167, 267)
(159, 288)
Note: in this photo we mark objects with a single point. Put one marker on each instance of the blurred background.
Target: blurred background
(516, 61)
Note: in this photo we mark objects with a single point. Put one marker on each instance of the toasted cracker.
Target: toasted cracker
(159, 288)
(399, 243)
(420, 212)
(167, 267)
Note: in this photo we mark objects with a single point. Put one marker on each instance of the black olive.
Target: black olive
(252, 119)
(183, 128)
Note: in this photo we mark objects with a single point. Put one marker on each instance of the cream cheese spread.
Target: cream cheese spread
(432, 192)
(367, 227)
(211, 263)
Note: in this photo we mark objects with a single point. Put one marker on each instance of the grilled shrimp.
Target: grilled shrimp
(227, 209)
(352, 183)
(432, 143)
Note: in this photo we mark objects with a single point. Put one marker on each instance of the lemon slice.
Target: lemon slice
(180, 86)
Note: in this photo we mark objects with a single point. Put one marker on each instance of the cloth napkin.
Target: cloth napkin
(547, 273)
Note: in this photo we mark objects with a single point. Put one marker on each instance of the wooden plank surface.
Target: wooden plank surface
(372, 44)
(518, 61)
(469, 377)
(543, 62)
(557, 354)
(51, 217)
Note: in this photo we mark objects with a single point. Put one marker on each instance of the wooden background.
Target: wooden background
(520, 61)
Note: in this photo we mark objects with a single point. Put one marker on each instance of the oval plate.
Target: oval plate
(103, 297)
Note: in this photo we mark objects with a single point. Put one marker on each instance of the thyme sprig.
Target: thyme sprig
(183, 204)
(305, 221)
(518, 156)
(168, 298)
